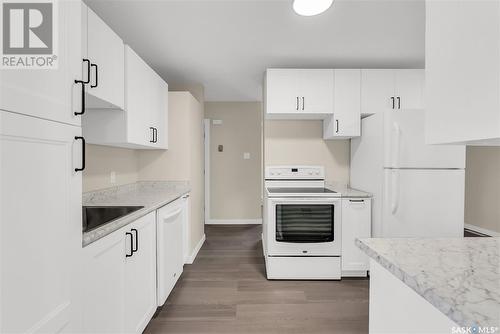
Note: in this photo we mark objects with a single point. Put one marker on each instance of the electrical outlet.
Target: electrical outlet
(112, 177)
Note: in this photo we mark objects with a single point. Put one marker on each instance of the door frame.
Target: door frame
(206, 175)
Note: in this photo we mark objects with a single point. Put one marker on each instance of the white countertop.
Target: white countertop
(345, 191)
(459, 276)
(150, 194)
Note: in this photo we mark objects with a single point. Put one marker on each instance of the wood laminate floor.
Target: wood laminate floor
(226, 291)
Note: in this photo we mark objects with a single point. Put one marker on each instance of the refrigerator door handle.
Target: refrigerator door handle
(397, 145)
(394, 191)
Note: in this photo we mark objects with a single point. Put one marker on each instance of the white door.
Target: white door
(356, 223)
(170, 250)
(409, 89)
(103, 285)
(160, 113)
(137, 102)
(423, 203)
(346, 120)
(405, 145)
(105, 50)
(377, 91)
(53, 91)
(140, 275)
(40, 225)
(282, 95)
(316, 91)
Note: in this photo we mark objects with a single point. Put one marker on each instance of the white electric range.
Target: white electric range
(302, 224)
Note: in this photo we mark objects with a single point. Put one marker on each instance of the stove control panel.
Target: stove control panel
(295, 173)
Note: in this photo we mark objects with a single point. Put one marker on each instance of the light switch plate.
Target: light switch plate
(246, 155)
(217, 122)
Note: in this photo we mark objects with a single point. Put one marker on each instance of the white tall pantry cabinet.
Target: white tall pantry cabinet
(40, 201)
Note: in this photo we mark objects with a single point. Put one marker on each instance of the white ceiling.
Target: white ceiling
(227, 44)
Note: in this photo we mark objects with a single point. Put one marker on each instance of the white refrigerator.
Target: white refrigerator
(418, 189)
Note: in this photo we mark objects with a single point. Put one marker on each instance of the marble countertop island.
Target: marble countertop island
(150, 194)
(458, 276)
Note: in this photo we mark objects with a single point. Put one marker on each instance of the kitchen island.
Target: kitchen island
(438, 285)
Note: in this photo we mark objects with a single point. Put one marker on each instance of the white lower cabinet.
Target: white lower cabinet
(140, 274)
(356, 223)
(120, 279)
(170, 219)
(104, 284)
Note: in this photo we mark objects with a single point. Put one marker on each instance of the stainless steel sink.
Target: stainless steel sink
(95, 216)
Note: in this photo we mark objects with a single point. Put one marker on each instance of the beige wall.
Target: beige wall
(102, 160)
(235, 183)
(184, 159)
(482, 187)
(301, 143)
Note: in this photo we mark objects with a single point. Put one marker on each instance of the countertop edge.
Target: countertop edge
(124, 221)
(427, 294)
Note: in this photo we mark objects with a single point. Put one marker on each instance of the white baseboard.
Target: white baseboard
(195, 251)
(233, 221)
(482, 230)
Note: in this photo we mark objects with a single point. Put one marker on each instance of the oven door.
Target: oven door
(304, 227)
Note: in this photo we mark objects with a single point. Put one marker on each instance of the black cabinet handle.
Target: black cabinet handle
(303, 102)
(297, 105)
(83, 154)
(96, 78)
(85, 60)
(357, 200)
(136, 240)
(393, 105)
(337, 123)
(399, 102)
(152, 140)
(83, 98)
(155, 135)
(131, 245)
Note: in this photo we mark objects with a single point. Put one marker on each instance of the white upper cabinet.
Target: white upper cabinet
(462, 56)
(409, 89)
(391, 90)
(105, 51)
(377, 91)
(346, 119)
(298, 93)
(146, 104)
(41, 225)
(143, 122)
(53, 91)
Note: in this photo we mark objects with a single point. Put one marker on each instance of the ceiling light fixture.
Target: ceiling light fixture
(311, 7)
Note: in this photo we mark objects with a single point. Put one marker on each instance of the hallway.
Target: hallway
(225, 291)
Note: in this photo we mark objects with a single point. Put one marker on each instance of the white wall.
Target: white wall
(482, 187)
(235, 191)
(301, 142)
(102, 160)
(184, 159)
